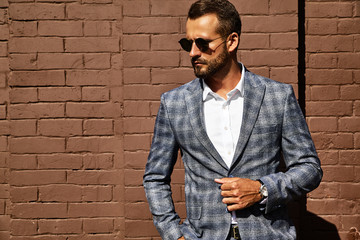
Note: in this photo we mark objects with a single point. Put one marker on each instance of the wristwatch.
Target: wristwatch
(263, 191)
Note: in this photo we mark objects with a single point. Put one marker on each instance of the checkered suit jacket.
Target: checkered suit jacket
(273, 125)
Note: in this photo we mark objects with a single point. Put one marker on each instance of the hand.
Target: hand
(239, 193)
(182, 238)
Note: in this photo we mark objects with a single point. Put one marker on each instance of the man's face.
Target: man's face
(208, 63)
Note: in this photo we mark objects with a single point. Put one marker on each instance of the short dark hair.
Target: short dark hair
(228, 16)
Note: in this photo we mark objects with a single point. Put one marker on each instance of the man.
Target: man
(231, 127)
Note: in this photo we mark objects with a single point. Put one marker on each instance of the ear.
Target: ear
(233, 42)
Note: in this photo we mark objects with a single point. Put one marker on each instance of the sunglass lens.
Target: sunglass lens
(186, 44)
(202, 44)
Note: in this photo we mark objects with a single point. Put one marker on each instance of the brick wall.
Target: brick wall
(80, 82)
(333, 109)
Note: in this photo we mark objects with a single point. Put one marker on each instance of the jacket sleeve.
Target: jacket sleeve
(159, 167)
(303, 173)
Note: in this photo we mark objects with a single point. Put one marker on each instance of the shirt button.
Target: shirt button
(229, 152)
(226, 128)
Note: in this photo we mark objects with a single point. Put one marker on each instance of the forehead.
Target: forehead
(204, 26)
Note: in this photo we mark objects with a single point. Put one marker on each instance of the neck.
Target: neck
(226, 79)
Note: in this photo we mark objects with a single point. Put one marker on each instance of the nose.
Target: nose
(194, 50)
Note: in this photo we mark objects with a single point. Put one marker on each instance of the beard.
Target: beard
(210, 67)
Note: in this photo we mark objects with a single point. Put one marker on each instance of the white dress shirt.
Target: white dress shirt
(223, 119)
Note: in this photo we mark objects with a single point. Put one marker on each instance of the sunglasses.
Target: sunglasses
(201, 43)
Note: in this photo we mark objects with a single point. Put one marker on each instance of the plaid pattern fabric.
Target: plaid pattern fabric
(273, 124)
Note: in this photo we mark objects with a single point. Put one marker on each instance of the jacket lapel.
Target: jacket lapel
(253, 97)
(196, 115)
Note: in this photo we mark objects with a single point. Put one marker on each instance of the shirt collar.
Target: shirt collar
(240, 86)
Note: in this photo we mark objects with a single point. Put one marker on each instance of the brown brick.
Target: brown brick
(110, 209)
(23, 61)
(175, 76)
(98, 225)
(146, 92)
(35, 44)
(97, 193)
(93, 12)
(133, 230)
(349, 26)
(139, 125)
(97, 94)
(3, 49)
(136, 7)
(37, 145)
(284, 74)
(282, 6)
(38, 110)
(350, 191)
(349, 124)
(350, 92)
(22, 162)
(98, 127)
(37, 78)
(23, 227)
(63, 127)
(275, 58)
(136, 75)
(172, 8)
(97, 28)
(133, 178)
(325, 93)
(333, 141)
(136, 108)
(93, 144)
(33, 177)
(23, 95)
(350, 221)
(326, 190)
(269, 24)
(326, 10)
(23, 127)
(151, 25)
(59, 94)
(99, 161)
(4, 64)
(135, 194)
(34, 11)
(349, 60)
(96, 110)
(97, 60)
(338, 173)
(59, 161)
(151, 59)
(349, 157)
(329, 43)
(63, 226)
(137, 42)
(60, 61)
(323, 124)
(328, 76)
(4, 128)
(318, 26)
(136, 211)
(329, 108)
(283, 40)
(331, 206)
(60, 28)
(322, 60)
(60, 193)
(23, 194)
(40, 210)
(137, 142)
(255, 7)
(23, 29)
(90, 44)
(92, 77)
